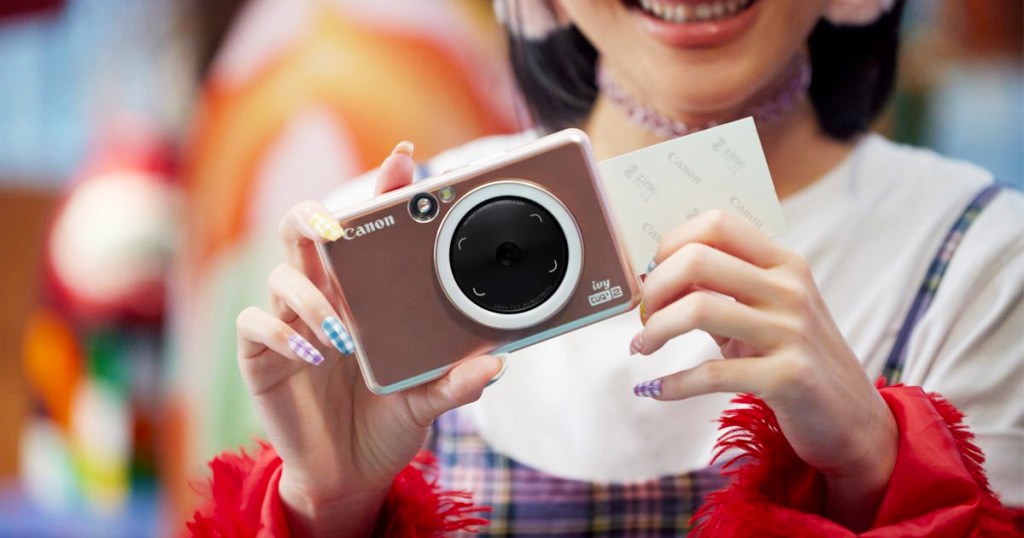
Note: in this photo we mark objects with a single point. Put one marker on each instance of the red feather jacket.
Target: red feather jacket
(937, 489)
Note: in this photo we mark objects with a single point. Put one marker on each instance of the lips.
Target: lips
(695, 23)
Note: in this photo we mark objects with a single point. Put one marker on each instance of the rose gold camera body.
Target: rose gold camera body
(490, 258)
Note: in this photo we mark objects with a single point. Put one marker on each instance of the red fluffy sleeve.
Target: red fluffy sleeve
(938, 488)
(242, 500)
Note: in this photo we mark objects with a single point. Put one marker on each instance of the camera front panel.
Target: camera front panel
(409, 326)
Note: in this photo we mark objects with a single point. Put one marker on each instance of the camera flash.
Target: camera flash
(446, 194)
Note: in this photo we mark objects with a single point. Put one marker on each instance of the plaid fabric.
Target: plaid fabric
(528, 502)
(894, 364)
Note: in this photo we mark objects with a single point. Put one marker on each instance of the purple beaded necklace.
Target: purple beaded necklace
(767, 110)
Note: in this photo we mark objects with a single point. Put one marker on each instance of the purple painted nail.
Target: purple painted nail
(637, 343)
(305, 350)
(648, 389)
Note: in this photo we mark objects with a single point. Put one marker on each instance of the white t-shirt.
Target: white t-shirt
(869, 229)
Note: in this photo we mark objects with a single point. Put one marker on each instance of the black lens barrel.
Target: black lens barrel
(509, 255)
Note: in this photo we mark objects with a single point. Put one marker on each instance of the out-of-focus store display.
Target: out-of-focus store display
(86, 134)
(69, 67)
(92, 344)
(961, 88)
(165, 178)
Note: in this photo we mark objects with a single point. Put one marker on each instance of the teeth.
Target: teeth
(704, 11)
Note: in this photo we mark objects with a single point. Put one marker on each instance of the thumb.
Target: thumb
(396, 170)
(460, 386)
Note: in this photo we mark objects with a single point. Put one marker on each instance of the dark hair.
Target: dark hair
(210, 24)
(854, 68)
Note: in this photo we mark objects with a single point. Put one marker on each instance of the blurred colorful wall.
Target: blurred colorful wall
(148, 148)
(301, 97)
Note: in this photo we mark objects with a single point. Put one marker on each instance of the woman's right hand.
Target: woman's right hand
(341, 444)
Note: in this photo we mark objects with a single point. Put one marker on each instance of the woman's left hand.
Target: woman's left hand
(759, 301)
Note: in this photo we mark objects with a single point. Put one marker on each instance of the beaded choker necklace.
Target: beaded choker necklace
(767, 110)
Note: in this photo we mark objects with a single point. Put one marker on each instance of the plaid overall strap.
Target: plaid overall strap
(894, 364)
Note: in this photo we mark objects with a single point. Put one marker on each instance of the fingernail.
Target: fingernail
(405, 147)
(503, 357)
(338, 335)
(325, 226)
(648, 389)
(637, 343)
(305, 350)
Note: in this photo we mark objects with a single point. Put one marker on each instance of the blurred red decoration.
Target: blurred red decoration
(15, 8)
(110, 244)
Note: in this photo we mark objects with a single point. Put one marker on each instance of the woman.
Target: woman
(560, 446)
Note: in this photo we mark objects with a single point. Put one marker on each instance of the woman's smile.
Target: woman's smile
(681, 11)
(689, 23)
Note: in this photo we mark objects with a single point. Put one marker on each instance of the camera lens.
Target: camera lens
(423, 207)
(508, 255)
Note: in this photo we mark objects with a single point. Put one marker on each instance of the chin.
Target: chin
(684, 90)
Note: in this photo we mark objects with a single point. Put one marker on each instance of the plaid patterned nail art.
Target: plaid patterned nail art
(326, 227)
(338, 335)
(305, 350)
(648, 389)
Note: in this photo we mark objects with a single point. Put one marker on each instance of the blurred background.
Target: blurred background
(148, 148)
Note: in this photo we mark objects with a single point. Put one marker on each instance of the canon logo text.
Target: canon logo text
(369, 227)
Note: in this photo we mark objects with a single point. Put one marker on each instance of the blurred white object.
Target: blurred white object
(47, 471)
(111, 242)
